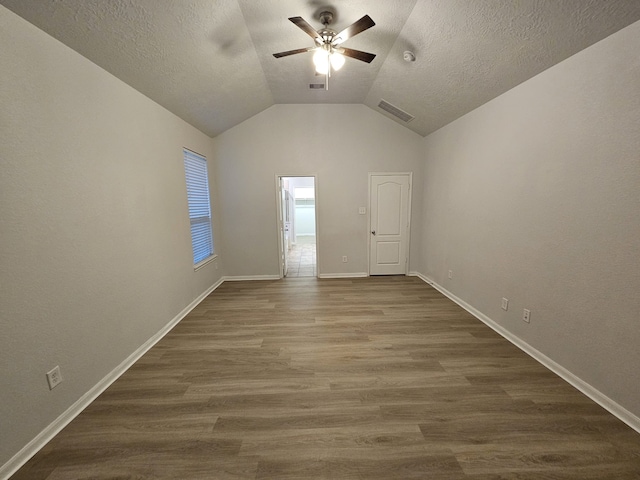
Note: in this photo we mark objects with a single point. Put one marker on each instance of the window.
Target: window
(195, 168)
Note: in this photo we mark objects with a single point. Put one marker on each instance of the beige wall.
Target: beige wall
(535, 197)
(341, 144)
(95, 252)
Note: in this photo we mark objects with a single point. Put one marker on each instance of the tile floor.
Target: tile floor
(302, 258)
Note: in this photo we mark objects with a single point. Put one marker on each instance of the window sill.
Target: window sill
(204, 262)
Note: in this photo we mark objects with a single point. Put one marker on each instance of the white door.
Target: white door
(282, 227)
(389, 209)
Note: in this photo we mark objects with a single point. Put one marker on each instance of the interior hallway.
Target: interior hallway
(302, 257)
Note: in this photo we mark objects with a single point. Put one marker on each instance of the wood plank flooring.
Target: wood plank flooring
(373, 378)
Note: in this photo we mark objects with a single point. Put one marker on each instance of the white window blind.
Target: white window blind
(195, 168)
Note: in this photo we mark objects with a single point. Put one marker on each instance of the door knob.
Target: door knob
(373, 232)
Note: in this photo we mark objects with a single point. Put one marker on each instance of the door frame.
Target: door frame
(278, 195)
(410, 193)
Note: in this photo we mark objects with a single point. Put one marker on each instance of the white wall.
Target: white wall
(339, 143)
(300, 182)
(95, 253)
(535, 196)
(305, 220)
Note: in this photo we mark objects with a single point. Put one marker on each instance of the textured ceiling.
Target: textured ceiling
(210, 61)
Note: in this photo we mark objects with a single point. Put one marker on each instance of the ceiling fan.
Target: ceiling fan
(329, 54)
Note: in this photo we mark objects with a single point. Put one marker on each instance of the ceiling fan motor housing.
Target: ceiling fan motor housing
(326, 33)
(326, 18)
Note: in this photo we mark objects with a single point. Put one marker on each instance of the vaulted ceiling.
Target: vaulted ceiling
(210, 61)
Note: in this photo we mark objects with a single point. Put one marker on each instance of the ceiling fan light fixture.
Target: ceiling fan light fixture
(321, 61)
(337, 60)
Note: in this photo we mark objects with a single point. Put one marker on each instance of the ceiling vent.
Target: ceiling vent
(316, 86)
(395, 111)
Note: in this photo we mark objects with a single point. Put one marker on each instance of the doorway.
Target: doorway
(389, 214)
(297, 226)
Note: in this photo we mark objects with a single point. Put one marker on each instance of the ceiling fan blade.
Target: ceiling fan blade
(306, 28)
(293, 52)
(357, 54)
(360, 26)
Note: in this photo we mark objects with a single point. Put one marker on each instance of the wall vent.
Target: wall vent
(316, 86)
(395, 111)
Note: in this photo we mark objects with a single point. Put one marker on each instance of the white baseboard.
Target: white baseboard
(29, 450)
(242, 278)
(343, 275)
(594, 394)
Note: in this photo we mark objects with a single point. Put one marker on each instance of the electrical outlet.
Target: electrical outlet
(450, 274)
(344, 259)
(54, 377)
(526, 315)
(505, 304)
(362, 210)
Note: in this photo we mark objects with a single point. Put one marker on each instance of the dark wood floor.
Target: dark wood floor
(376, 378)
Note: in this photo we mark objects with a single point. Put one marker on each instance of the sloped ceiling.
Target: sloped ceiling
(210, 62)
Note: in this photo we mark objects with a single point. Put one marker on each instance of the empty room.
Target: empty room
(285, 239)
